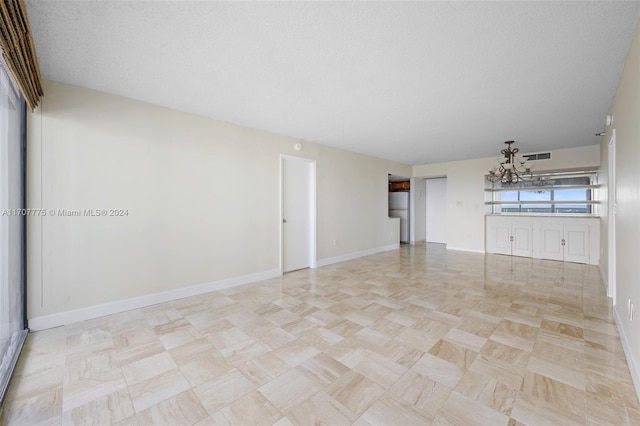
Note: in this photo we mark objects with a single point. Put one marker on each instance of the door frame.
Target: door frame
(312, 209)
(611, 206)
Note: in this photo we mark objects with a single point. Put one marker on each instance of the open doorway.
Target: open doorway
(399, 203)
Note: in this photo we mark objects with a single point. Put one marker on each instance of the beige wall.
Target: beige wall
(626, 110)
(466, 184)
(203, 198)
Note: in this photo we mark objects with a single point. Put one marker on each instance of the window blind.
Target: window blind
(18, 51)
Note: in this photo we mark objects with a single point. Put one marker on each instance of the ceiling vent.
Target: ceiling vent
(540, 156)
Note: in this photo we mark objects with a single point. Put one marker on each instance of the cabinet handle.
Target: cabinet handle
(563, 242)
(511, 238)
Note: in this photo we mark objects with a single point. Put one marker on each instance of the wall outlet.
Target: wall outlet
(334, 242)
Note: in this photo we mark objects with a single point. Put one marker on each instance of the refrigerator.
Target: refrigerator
(399, 207)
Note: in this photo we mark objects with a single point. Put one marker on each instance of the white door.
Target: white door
(522, 245)
(576, 243)
(436, 210)
(551, 236)
(298, 213)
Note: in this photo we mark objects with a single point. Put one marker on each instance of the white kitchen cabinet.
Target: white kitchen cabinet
(576, 243)
(511, 238)
(550, 237)
(498, 238)
(570, 239)
(565, 241)
(522, 244)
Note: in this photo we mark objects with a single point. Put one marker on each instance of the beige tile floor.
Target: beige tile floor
(414, 336)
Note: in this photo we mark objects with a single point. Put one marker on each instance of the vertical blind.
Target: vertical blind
(18, 51)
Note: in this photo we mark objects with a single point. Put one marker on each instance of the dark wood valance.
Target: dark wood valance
(18, 50)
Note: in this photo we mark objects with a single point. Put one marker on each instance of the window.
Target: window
(550, 193)
(12, 228)
(19, 85)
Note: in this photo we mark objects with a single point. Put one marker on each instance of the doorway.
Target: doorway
(611, 285)
(400, 204)
(436, 210)
(298, 213)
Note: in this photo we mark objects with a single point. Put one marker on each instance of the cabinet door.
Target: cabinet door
(551, 241)
(501, 239)
(522, 242)
(576, 247)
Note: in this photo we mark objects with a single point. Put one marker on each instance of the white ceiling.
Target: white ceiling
(415, 82)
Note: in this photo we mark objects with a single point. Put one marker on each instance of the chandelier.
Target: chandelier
(511, 168)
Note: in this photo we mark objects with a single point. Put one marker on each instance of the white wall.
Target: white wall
(466, 184)
(436, 214)
(626, 110)
(202, 199)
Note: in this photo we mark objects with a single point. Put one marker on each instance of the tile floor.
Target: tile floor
(415, 336)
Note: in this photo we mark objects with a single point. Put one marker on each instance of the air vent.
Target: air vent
(540, 156)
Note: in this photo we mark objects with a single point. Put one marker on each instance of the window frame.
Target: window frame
(547, 181)
(19, 103)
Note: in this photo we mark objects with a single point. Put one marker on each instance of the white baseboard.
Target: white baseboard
(96, 311)
(633, 367)
(355, 255)
(465, 249)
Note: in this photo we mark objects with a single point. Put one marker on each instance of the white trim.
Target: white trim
(465, 249)
(612, 195)
(96, 311)
(313, 261)
(633, 368)
(357, 254)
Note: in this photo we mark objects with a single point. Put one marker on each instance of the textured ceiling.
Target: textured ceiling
(415, 82)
